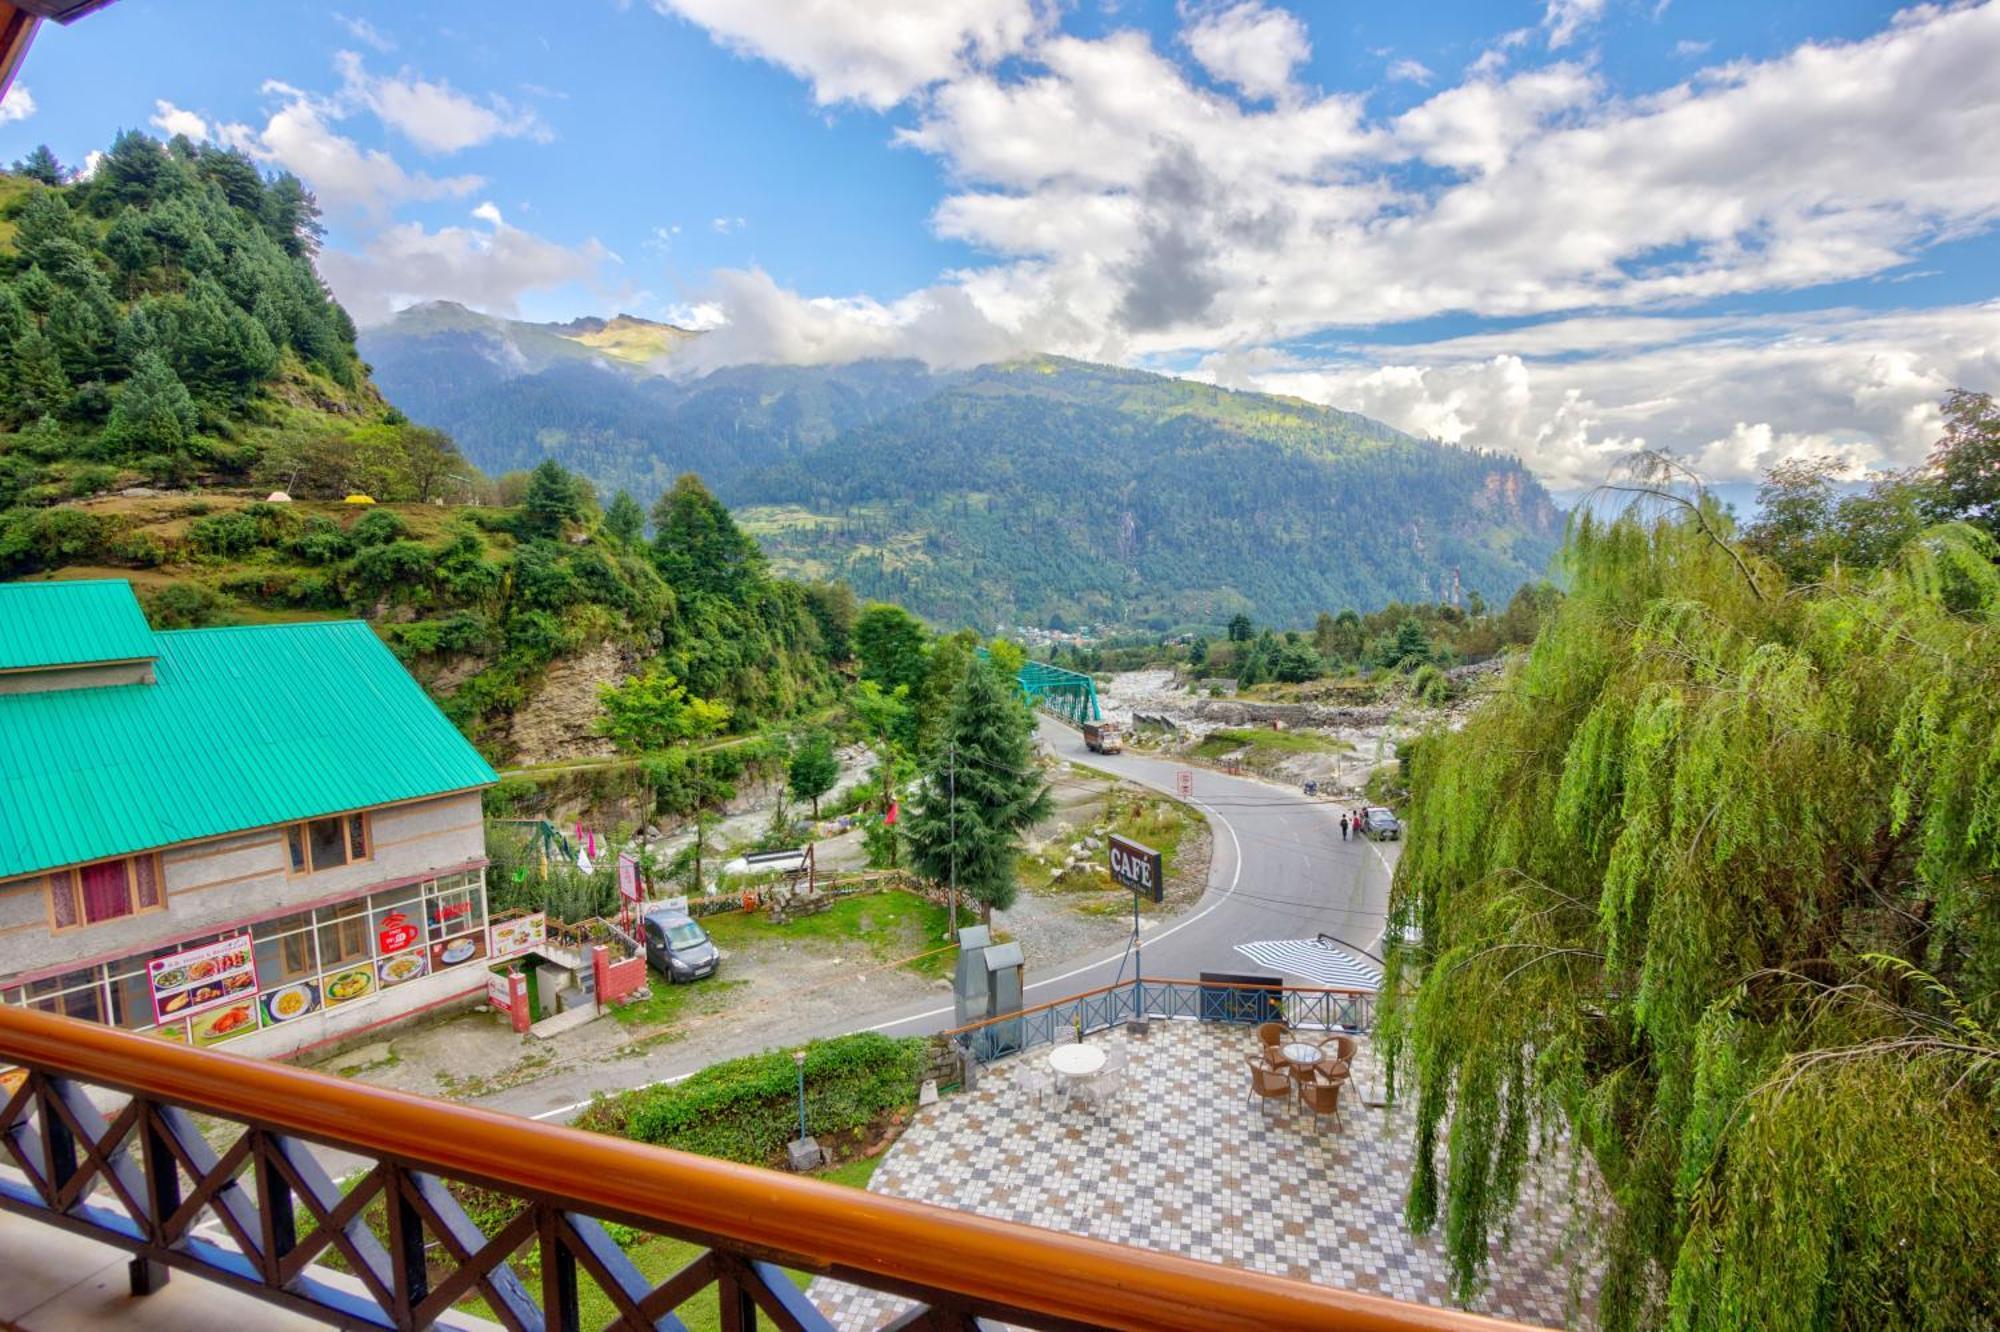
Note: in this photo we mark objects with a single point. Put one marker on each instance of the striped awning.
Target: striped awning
(1320, 963)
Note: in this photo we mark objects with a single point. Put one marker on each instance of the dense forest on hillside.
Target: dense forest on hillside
(1022, 493)
(168, 356)
(1116, 497)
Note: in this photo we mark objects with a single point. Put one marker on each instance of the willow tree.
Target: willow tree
(1708, 890)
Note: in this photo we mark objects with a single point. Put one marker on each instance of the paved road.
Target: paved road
(1279, 870)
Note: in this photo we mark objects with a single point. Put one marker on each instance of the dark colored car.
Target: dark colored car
(678, 948)
(1380, 824)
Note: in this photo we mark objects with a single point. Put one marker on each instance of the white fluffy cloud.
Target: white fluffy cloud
(1251, 46)
(1564, 20)
(1733, 395)
(489, 270)
(170, 120)
(19, 104)
(875, 52)
(434, 116)
(299, 137)
(752, 319)
(1129, 208)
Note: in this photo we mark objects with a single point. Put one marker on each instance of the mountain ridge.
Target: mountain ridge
(1150, 500)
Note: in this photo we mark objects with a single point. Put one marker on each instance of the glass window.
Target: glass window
(146, 879)
(62, 899)
(284, 949)
(131, 999)
(357, 837)
(296, 836)
(397, 919)
(77, 994)
(107, 891)
(343, 934)
(453, 907)
(328, 840)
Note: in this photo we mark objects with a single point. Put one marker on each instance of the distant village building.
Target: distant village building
(265, 836)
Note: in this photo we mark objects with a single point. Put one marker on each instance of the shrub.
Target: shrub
(225, 535)
(463, 632)
(184, 606)
(321, 541)
(402, 566)
(747, 1109)
(141, 550)
(92, 479)
(49, 538)
(378, 527)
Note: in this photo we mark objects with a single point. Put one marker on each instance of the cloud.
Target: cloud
(722, 226)
(1410, 71)
(171, 120)
(436, 117)
(18, 105)
(1525, 195)
(1564, 19)
(874, 52)
(1733, 395)
(347, 178)
(1688, 48)
(753, 320)
(492, 270)
(1250, 46)
(365, 32)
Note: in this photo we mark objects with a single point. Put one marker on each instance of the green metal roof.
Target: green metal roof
(242, 728)
(71, 624)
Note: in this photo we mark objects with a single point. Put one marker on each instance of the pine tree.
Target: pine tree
(41, 164)
(624, 519)
(982, 793)
(154, 416)
(698, 546)
(552, 502)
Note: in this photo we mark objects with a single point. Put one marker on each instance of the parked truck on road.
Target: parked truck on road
(1103, 738)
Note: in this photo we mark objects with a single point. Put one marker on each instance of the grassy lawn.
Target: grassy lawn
(891, 926)
(1217, 744)
(1150, 819)
(659, 1257)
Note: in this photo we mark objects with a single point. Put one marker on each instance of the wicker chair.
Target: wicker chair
(1342, 1048)
(1270, 1033)
(1321, 1095)
(1267, 1084)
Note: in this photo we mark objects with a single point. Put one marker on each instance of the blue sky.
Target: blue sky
(1562, 229)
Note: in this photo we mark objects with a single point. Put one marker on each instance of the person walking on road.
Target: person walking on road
(1343, 827)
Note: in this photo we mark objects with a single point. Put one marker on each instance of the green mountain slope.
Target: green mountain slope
(1007, 494)
(1118, 497)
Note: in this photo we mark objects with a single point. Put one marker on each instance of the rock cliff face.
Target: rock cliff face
(558, 721)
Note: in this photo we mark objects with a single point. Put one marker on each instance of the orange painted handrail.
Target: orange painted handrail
(824, 1227)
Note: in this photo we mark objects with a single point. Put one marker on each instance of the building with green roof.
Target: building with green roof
(266, 835)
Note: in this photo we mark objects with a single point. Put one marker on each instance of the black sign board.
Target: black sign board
(1137, 868)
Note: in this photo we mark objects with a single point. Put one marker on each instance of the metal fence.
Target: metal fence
(1298, 1007)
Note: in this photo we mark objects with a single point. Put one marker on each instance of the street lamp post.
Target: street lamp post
(805, 1153)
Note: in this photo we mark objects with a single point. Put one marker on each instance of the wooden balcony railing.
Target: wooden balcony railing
(139, 1143)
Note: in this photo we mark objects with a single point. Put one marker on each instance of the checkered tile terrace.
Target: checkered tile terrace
(1184, 1160)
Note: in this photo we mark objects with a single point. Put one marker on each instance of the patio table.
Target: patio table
(1300, 1055)
(1075, 1062)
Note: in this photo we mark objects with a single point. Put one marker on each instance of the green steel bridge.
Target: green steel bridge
(1071, 695)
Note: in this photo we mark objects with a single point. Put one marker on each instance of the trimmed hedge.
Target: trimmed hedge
(747, 1109)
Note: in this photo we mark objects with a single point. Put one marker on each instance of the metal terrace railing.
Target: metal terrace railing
(102, 1138)
(1301, 1008)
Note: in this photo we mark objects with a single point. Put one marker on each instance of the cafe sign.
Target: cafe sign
(519, 934)
(1137, 868)
(202, 978)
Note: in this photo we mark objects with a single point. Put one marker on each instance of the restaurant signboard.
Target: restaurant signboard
(198, 979)
(1137, 868)
(512, 937)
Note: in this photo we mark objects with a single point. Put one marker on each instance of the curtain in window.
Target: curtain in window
(62, 898)
(146, 875)
(106, 893)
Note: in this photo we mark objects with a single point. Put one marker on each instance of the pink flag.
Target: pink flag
(590, 843)
(889, 819)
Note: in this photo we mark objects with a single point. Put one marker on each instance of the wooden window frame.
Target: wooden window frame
(302, 832)
(72, 880)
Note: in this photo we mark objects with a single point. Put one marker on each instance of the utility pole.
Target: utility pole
(952, 778)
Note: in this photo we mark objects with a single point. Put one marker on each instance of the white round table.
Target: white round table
(1076, 1060)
